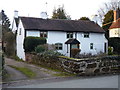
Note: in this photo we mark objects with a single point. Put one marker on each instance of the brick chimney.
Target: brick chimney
(116, 14)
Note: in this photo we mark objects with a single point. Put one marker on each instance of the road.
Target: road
(93, 82)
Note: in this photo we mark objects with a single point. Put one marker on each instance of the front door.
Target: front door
(72, 46)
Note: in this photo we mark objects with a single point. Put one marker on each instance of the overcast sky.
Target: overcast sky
(32, 8)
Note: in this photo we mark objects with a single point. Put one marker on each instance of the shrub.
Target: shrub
(115, 43)
(10, 44)
(40, 49)
(31, 42)
(110, 51)
(74, 51)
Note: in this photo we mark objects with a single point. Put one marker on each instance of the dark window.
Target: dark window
(69, 34)
(86, 35)
(20, 31)
(43, 34)
(58, 46)
(91, 45)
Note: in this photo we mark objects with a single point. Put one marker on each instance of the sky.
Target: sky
(33, 8)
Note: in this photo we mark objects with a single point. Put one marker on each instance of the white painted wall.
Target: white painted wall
(115, 32)
(33, 33)
(20, 41)
(98, 40)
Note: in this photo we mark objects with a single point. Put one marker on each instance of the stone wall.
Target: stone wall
(90, 66)
(86, 66)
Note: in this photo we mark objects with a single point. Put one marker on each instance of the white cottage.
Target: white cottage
(65, 34)
(114, 30)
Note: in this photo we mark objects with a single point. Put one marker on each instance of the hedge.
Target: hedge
(31, 42)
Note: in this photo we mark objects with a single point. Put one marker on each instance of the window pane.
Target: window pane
(58, 46)
(91, 45)
(86, 35)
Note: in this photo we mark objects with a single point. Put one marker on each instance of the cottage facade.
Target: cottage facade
(65, 34)
(114, 30)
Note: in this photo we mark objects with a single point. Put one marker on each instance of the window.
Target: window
(43, 34)
(86, 35)
(116, 32)
(58, 46)
(91, 45)
(20, 31)
(69, 34)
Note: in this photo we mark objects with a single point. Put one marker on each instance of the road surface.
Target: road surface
(93, 82)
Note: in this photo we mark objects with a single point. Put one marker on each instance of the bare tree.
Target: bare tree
(112, 5)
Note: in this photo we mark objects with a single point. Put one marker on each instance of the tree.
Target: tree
(107, 21)
(112, 5)
(84, 18)
(60, 13)
(5, 26)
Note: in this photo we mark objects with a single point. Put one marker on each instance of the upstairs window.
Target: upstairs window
(43, 34)
(58, 46)
(69, 34)
(91, 45)
(86, 35)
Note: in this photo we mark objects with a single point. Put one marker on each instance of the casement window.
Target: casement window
(91, 45)
(69, 34)
(58, 46)
(20, 31)
(43, 34)
(86, 35)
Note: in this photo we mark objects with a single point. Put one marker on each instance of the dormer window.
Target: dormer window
(43, 34)
(86, 35)
(69, 34)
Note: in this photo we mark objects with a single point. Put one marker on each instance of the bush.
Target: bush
(40, 49)
(10, 44)
(31, 42)
(74, 51)
(110, 51)
(115, 43)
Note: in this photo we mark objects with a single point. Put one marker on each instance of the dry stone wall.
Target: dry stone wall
(91, 66)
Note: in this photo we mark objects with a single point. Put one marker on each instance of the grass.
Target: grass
(29, 73)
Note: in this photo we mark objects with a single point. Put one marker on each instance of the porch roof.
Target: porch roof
(72, 41)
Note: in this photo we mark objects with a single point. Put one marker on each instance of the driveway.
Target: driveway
(17, 76)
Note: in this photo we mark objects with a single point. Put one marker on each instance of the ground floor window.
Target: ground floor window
(58, 46)
(91, 45)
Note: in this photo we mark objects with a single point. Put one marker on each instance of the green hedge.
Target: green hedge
(115, 43)
(31, 42)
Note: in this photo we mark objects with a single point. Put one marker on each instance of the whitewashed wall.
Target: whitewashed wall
(114, 32)
(20, 41)
(98, 40)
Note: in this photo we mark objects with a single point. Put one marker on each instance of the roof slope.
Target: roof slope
(31, 23)
(115, 24)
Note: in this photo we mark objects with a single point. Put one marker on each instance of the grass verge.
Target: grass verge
(29, 73)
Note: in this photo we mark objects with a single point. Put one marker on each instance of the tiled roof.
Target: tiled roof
(31, 23)
(115, 24)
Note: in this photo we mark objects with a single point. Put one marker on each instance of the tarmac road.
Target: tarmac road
(94, 82)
